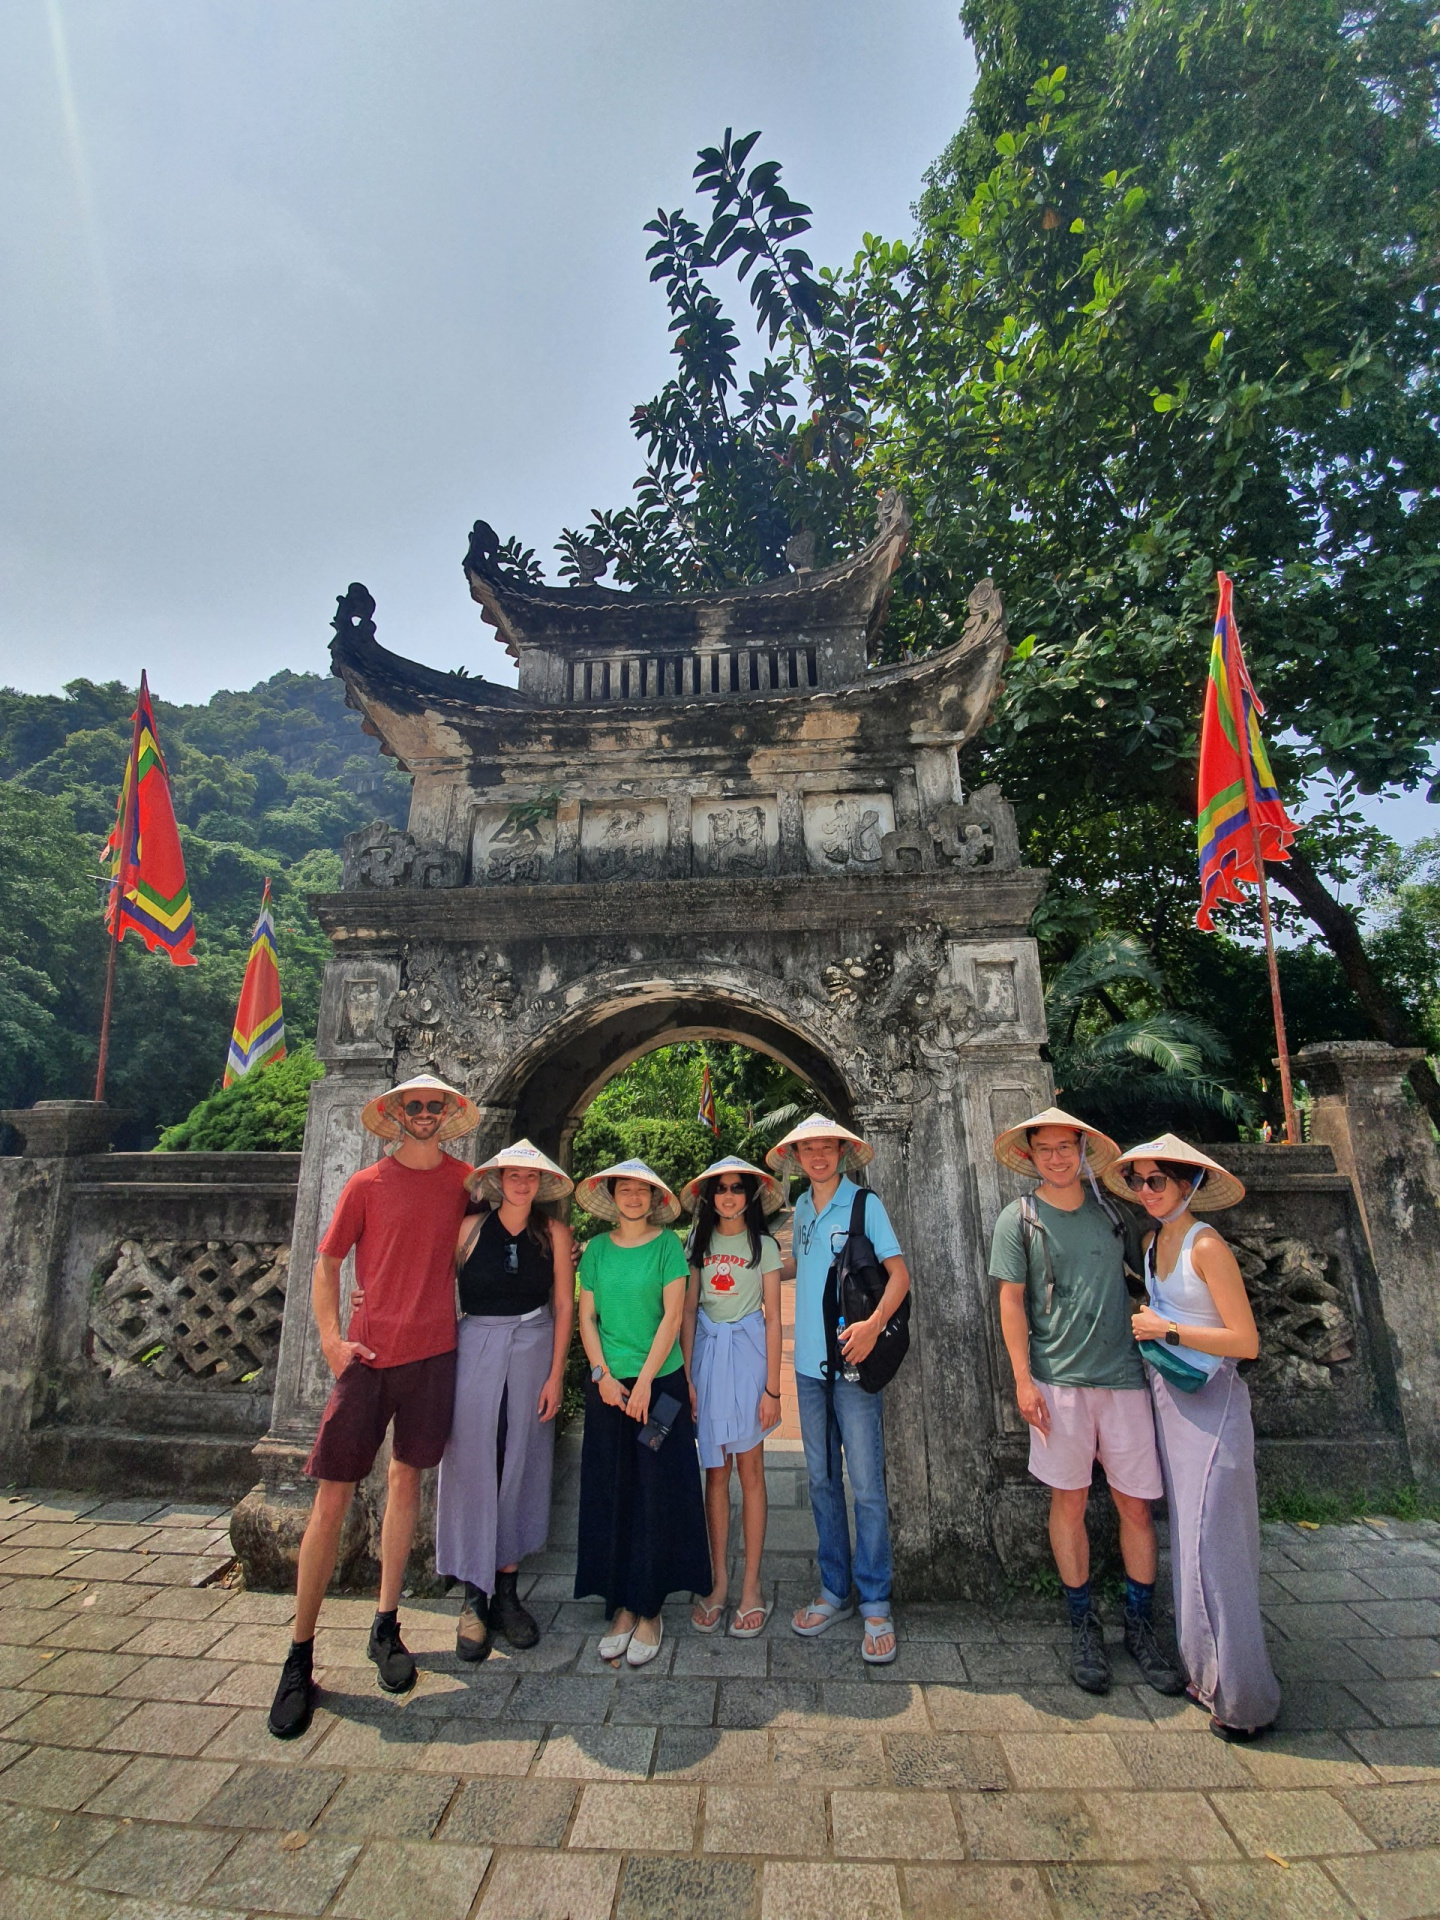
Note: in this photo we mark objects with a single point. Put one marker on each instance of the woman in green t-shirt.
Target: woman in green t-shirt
(642, 1522)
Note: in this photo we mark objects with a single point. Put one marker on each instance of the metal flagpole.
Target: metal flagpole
(132, 801)
(1247, 769)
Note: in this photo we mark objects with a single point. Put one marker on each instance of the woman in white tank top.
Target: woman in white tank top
(1196, 1324)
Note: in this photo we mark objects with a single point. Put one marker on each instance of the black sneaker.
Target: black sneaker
(472, 1629)
(394, 1661)
(1089, 1662)
(507, 1616)
(1144, 1649)
(294, 1704)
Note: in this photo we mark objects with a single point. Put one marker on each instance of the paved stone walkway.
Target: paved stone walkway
(769, 1780)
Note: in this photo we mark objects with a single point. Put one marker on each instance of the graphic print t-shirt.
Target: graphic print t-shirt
(730, 1280)
(402, 1222)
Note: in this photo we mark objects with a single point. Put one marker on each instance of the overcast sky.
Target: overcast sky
(294, 290)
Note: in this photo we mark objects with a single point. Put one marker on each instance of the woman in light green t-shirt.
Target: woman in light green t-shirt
(731, 1339)
(642, 1524)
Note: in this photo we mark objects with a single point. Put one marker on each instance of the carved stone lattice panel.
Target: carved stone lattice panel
(194, 1314)
(1306, 1327)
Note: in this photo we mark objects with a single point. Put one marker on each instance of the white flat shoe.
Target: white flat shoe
(641, 1652)
(613, 1645)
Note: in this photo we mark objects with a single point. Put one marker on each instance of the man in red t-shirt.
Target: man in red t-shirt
(395, 1362)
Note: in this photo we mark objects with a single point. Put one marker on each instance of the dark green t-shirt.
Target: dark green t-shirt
(629, 1285)
(1085, 1339)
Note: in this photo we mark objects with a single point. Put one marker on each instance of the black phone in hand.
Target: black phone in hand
(661, 1419)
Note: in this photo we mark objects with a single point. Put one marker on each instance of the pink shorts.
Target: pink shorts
(1112, 1424)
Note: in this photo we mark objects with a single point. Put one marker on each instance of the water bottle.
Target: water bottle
(848, 1369)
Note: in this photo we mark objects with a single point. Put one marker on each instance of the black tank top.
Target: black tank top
(506, 1274)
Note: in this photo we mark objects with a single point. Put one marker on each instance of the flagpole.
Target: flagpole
(132, 800)
(1277, 1008)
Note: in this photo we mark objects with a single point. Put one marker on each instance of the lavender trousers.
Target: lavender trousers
(1207, 1455)
(488, 1516)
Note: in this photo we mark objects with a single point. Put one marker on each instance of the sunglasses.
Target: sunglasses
(1147, 1182)
(729, 1186)
(416, 1107)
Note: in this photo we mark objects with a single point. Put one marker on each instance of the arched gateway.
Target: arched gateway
(697, 817)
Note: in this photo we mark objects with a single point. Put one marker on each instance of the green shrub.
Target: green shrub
(263, 1113)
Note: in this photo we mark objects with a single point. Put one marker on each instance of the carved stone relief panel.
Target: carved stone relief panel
(1304, 1320)
(844, 831)
(735, 837)
(511, 846)
(353, 1001)
(624, 840)
(384, 856)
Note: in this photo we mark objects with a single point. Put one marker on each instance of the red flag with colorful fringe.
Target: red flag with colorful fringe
(1228, 787)
(148, 888)
(706, 1115)
(259, 1036)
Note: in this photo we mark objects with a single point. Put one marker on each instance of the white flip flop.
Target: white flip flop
(828, 1616)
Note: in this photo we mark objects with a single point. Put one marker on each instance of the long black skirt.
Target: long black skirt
(642, 1516)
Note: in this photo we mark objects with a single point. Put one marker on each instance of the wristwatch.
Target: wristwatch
(1172, 1338)
(597, 1374)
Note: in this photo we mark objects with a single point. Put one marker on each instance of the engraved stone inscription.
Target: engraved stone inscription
(359, 1010)
(624, 841)
(995, 994)
(734, 837)
(507, 850)
(844, 831)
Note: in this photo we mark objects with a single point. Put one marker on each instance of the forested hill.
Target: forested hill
(266, 782)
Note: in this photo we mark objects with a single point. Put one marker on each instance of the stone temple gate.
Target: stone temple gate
(704, 817)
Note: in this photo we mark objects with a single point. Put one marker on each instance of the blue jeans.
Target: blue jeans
(856, 1433)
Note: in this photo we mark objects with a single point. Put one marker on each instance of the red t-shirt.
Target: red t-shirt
(402, 1222)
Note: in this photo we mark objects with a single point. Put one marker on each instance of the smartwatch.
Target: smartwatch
(1172, 1338)
(597, 1374)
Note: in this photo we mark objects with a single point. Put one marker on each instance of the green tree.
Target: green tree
(266, 784)
(1171, 306)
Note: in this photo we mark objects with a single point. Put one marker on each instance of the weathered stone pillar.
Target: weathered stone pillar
(34, 1204)
(1381, 1139)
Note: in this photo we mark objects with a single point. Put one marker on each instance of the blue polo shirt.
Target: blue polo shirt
(811, 1245)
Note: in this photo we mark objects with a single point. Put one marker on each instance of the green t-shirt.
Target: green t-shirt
(629, 1285)
(1085, 1339)
(731, 1283)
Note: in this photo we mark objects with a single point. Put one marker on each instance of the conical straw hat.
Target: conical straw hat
(554, 1184)
(771, 1198)
(379, 1118)
(1220, 1188)
(1012, 1149)
(595, 1197)
(854, 1155)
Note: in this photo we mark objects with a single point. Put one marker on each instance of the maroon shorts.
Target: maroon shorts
(419, 1397)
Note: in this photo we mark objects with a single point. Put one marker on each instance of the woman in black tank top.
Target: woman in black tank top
(507, 1273)
(515, 1270)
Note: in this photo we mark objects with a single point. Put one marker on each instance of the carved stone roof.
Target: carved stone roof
(853, 593)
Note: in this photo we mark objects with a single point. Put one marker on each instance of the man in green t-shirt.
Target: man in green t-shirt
(1059, 1256)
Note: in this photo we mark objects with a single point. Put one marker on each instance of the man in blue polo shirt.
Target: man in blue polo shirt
(840, 1423)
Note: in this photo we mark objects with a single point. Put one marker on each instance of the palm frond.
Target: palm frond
(1105, 961)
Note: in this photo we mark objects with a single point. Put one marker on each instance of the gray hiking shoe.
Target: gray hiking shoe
(1145, 1650)
(1089, 1662)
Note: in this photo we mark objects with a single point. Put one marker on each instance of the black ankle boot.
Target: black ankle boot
(507, 1616)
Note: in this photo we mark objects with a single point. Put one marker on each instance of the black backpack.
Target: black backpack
(854, 1287)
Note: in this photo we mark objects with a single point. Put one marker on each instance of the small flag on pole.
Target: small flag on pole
(706, 1115)
(1242, 819)
(259, 1035)
(1234, 779)
(148, 888)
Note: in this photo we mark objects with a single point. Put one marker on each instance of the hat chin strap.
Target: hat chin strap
(1184, 1206)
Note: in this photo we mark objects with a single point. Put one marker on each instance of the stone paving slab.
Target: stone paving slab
(765, 1780)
